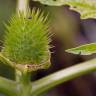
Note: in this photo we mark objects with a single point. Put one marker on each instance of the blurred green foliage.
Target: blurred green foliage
(7, 8)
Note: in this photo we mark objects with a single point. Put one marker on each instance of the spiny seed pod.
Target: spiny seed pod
(27, 40)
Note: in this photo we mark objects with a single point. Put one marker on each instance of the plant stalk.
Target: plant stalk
(22, 6)
(23, 83)
(8, 87)
(48, 82)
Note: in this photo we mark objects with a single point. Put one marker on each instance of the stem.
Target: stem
(24, 83)
(67, 74)
(7, 87)
(22, 6)
(6, 60)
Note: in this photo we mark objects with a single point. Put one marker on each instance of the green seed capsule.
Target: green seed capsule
(27, 40)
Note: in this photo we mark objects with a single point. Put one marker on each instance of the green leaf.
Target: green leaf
(87, 49)
(87, 8)
(52, 2)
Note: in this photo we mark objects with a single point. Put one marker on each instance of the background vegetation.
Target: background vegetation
(71, 31)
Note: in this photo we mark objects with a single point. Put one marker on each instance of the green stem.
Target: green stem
(7, 87)
(22, 6)
(67, 74)
(6, 60)
(24, 83)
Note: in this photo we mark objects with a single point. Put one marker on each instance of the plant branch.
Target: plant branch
(22, 6)
(64, 75)
(7, 87)
(6, 60)
(24, 83)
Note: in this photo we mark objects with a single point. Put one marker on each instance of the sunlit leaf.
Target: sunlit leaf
(87, 8)
(87, 49)
(52, 2)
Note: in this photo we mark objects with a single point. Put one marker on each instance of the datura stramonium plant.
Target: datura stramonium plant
(27, 40)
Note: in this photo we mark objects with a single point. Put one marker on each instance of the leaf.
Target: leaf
(87, 49)
(52, 2)
(87, 8)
